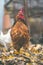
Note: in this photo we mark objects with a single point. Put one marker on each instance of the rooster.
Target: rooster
(20, 32)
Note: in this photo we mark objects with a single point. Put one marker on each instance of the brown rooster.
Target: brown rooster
(19, 32)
